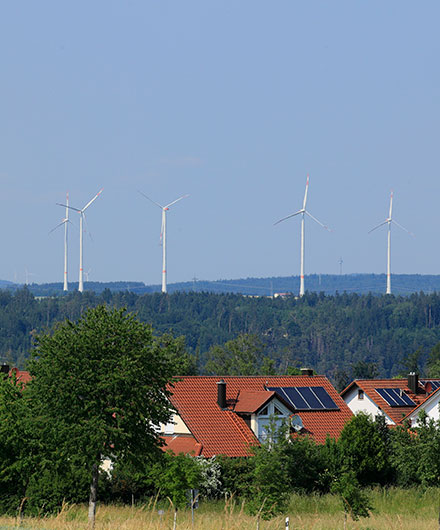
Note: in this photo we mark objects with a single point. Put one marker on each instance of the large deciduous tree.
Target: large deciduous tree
(100, 388)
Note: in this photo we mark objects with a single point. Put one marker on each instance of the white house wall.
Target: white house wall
(431, 407)
(175, 426)
(366, 405)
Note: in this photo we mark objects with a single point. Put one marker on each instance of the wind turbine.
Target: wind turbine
(303, 212)
(64, 222)
(163, 235)
(388, 221)
(81, 218)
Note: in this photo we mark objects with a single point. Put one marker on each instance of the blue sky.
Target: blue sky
(233, 103)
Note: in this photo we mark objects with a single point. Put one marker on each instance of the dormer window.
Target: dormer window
(360, 394)
(274, 413)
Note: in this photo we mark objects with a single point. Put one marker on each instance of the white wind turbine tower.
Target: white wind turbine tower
(81, 218)
(163, 235)
(303, 212)
(64, 222)
(388, 221)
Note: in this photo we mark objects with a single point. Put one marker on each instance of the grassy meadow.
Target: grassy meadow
(393, 509)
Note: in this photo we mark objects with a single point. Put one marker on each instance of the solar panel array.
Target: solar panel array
(434, 384)
(395, 397)
(306, 397)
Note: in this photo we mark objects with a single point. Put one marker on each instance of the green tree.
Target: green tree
(239, 356)
(307, 477)
(365, 449)
(270, 489)
(354, 500)
(365, 370)
(100, 388)
(174, 476)
(236, 475)
(433, 364)
(412, 363)
(429, 448)
(174, 348)
(405, 455)
(15, 444)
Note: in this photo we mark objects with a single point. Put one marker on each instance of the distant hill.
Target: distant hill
(343, 336)
(402, 284)
(4, 284)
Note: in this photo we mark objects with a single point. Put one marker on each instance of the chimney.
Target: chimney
(413, 382)
(221, 394)
(307, 371)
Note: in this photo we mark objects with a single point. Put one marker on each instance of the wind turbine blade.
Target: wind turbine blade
(151, 200)
(94, 199)
(177, 200)
(67, 206)
(319, 222)
(305, 194)
(58, 225)
(379, 225)
(289, 216)
(402, 227)
(391, 204)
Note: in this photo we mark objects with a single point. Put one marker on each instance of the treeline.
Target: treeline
(332, 334)
(402, 284)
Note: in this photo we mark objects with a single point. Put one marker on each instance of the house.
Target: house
(430, 405)
(215, 415)
(394, 398)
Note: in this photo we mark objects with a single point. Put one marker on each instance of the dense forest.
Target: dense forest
(333, 334)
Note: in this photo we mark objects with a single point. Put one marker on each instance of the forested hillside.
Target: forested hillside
(402, 284)
(331, 334)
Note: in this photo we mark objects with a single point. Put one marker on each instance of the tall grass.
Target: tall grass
(394, 509)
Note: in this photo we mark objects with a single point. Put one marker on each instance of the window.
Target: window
(272, 415)
(360, 394)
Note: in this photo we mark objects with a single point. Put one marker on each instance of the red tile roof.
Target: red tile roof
(183, 443)
(395, 413)
(225, 431)
(21, 375)
(252, 401)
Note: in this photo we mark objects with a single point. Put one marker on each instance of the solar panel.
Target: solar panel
(434, 384)
(395, 397)
(324, 397)
(292, 396)
(306, 397)
(310, 397)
